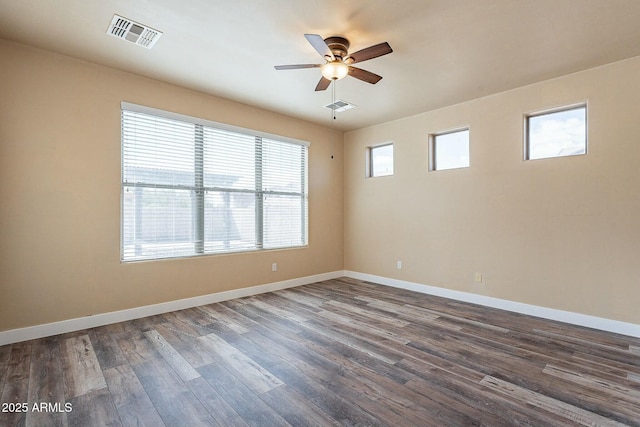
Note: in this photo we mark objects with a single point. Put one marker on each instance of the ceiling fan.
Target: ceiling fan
(338, 61)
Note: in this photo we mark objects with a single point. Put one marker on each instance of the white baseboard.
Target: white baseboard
(588, 321)
(64, 326)
(55, 328)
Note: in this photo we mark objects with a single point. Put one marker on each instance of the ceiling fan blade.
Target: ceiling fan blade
(364, 75)
(323, 84)
(319, 45)
(296, 66)
(370, 52)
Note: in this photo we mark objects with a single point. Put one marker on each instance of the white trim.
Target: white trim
(579, 319)
(198, 120)
(49, 329)
(70, 325)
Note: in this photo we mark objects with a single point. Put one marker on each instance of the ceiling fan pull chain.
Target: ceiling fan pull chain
(333, 99)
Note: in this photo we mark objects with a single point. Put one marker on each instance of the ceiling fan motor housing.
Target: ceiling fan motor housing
(339, 46)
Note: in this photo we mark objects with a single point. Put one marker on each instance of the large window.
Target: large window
(557, 133)
(192, 187)
(449, 150)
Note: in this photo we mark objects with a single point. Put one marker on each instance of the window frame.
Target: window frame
(433, 165)
(548, 112)
(199, 187)
(369, 164)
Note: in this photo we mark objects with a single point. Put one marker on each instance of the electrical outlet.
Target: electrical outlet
(274, 266)
(399, 265)
(477, 277)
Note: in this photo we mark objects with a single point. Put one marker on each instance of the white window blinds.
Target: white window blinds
(192, 187)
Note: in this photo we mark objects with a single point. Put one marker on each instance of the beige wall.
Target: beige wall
(560, 233)
(60, 194)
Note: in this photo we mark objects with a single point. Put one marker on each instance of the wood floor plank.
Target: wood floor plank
(454, 386)
(343, 411)
(284, 314)
(250, 407)
(596, 395)
(458, 401)
(368, 314)
(137, 348)
(220, 410)
(609, 387)
(347, 336)
(5, 352)
(221, 314)
(404, 404)
(184, 328)
(131, 401)
(173, 400)
(108, 352)
(192, 316)
(45, 386)
(81, 369)
(460, 319)
(417, 312)
(597, 371)
(602, 338)
(93, 409)
(380, 333)
(546, 403)
(171, 356)
(387, 306)
(187, 345)
(620, 354)
(255, 377)
(293, 294)
(16, 387)
(601, 361)
(290, 305)
(295, 409)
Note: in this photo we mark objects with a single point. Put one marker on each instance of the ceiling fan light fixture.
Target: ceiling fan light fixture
(334, 70)
(338, 61)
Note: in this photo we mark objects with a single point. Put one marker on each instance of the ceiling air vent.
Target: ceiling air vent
(340, 106)
(134, 32)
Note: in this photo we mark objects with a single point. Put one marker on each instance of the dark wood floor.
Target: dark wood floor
(340, 352)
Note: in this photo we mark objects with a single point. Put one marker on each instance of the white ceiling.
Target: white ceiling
(445, 51)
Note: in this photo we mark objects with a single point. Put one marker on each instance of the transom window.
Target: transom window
(556, 133)
(449, 150)
(192, 187)
(380, 160)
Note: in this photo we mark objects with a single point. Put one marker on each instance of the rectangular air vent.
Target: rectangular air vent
(134, 32)
(340, 106)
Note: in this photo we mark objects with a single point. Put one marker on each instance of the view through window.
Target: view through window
(190, 189)
(381, 160)
(557, 133)
(450, 150)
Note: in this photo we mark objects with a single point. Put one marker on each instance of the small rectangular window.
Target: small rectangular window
(557, 133)
(380, 160)
(449, 150)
